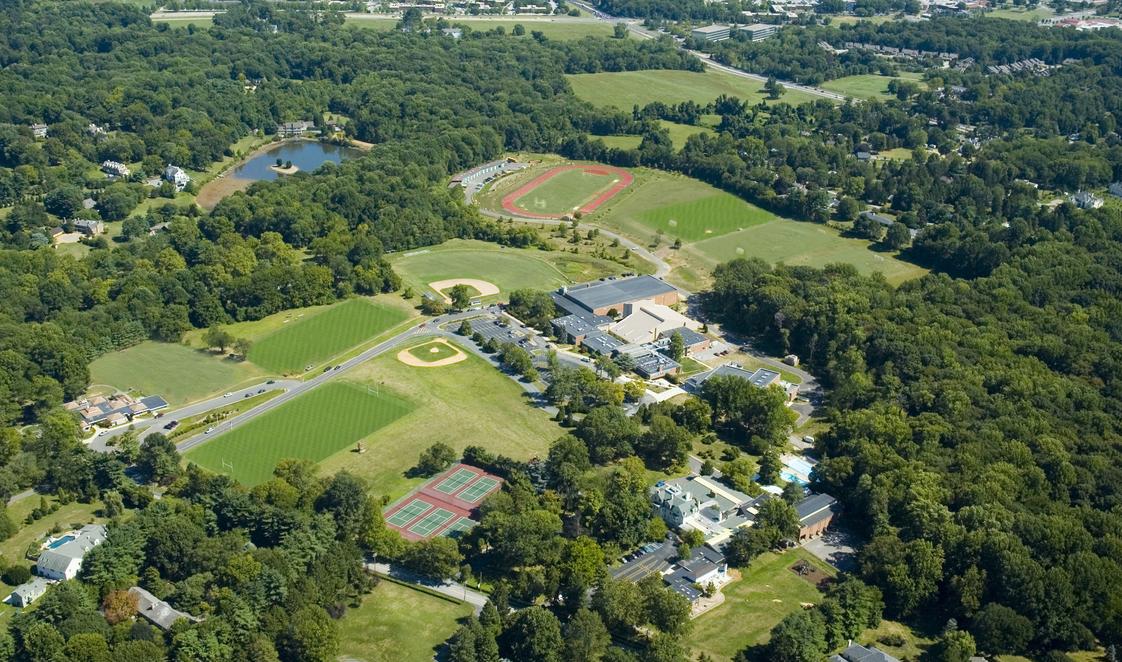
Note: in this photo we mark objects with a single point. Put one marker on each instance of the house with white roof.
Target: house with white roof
(63, 558)
(177, 176)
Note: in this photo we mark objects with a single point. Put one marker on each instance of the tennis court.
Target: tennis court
(454, 482)
(478, 490)
(461, 526)
(408, 513)
(432, 522)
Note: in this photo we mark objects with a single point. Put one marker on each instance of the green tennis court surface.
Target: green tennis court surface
(454, 482)
(478, 490)
(432, 522)
(461, 525)
(408, 513)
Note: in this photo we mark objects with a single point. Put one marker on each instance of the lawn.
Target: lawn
(799, 243)
(868, 86)
(507, 268)
(680, 207)
(14, 549)
(466, 403)
(565, 191)
(679, 133)
(395, 622)
(178, 373)
(313, 426)
(765, 593)
(1022, 14)
(625, 89)
(319, 336)
(198, 22)
(432, 352)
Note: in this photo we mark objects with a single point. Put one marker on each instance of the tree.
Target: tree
(897, 236)
(665, 443)
(218, 337)
(774, 88)
(586, 638)
(999, 629)
(158, 460)
(677, 348)
(64, 202)
(664, 608)
(532, 307)
(311, 635)
(953, 646)
(799, 637)
(608, 432)
(435, 458)
(438, 558)
(119, 606)
(619, 31)
(16, 575)
(465, 329)
(461, 296)
(619, 604)
(770, 466)
(518, 30)
(534, 635)
(242, 347)
(848, 208)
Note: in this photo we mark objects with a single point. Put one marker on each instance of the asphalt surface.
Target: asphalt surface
(647, 564)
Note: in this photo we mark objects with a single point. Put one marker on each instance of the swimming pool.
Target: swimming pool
(798, 465)
(60, 542)
(792, 477)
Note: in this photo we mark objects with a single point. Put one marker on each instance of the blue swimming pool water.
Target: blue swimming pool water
(60, 542)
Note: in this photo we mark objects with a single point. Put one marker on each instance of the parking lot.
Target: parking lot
(647, 562)
(502, 332)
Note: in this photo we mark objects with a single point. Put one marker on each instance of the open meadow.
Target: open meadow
(507, 268)
(178, 373)
(679, 134)
(313, 426)
(625, 89)
(395, 622)
(868, 86)
(766, 592)
(463, 404)
(318, 336)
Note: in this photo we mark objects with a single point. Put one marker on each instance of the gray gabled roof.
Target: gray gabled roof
(858, 653)
(160, 613)
(59, 558)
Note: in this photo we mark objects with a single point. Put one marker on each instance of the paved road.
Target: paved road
(450, 588)
(165, 15)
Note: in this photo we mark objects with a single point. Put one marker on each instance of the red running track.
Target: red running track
(625, 180)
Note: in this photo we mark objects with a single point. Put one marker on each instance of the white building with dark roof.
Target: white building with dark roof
(177, 176)
(1086, 200)
(63, 561)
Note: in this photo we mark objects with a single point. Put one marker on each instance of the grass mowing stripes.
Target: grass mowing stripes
(312, 426)
(318, 337)
(180, 374)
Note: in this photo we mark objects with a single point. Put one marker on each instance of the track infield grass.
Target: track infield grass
(180, 374)
(766, 592)
(625, 89)
(463, 404)
(508, 268)
(395, 622)
(431, 352)
(322, 335)
(313, 426)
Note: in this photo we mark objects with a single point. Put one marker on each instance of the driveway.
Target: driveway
(836, 547)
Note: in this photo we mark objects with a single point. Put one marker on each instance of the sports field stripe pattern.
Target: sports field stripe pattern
(625, 180)
(443, 505)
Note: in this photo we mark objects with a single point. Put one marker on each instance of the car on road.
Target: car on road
(209, 430)
(172, 425)
(271, 381)
(227, 394)
(260, 391)
(103, 433)
(338, 366)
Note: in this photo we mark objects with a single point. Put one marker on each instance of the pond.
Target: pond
(306, 156)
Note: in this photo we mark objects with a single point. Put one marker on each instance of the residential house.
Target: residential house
(88, 227)
(28, 592)
(816, 512)
(177, 176)
(156, 611)
(88, 203)
(95, 130)
(56, 232)
(39, 130)
(1086, 200)
(858, 653)
(63, 561)
(294, 129)
(115, 169)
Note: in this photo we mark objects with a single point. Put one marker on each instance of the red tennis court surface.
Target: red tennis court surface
(444, 505)
(625, 180)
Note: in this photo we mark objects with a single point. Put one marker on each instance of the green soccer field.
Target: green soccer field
(432, 352)
(624, 89)
(564, 192)
(507, 268)
(179, 374)
(680, 207)
(322, 335)
(312, 427)
(799, 243)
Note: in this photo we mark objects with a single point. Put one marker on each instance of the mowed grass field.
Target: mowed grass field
(560, 29)
(466, 403)
(622, 90)
(321, 335)
(679, 134)
(766, 592)
(868, 86)
(798, 243)
(396, 622)
(565, 191)
(313, 426)
(180, 374)
(432, 351)
(507, 268)
(678, 206)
